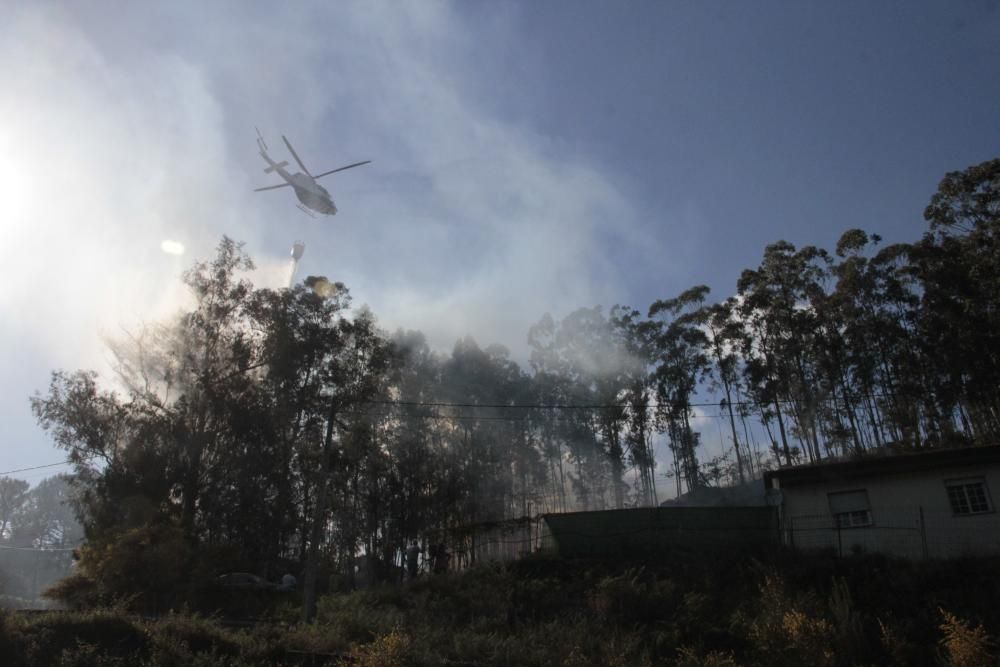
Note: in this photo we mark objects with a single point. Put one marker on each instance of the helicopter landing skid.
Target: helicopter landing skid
(306, 211)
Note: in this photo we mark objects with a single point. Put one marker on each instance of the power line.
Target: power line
(492, 406)
(475, 418)
(585, 406)
(6, 548)
(528, 406)
(47, 465)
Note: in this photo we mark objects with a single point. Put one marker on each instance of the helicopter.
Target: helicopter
(312, 195)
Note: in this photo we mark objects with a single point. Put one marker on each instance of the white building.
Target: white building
(933, 504)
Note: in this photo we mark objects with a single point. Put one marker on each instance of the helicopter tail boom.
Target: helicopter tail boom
(275, 166)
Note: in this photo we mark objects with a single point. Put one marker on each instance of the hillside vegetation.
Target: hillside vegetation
(682, 610)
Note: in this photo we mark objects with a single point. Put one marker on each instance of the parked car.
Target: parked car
(244, 581)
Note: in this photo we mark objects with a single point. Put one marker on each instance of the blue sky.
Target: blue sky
(528, 157)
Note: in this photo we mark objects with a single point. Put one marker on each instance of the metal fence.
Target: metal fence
(497, 541)
(619, 533)
(616, 533)
(906, 532)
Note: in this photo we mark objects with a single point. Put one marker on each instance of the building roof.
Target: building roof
(748, 494)
(880, 465)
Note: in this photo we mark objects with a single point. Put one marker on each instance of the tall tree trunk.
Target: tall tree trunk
(674, 445)
(319, 520)
(873, 416)
(693, 474)
(849, 411)
(562, 477)
(781, 429)
(736, 441)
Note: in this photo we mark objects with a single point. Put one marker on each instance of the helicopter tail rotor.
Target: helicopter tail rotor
(260, 141)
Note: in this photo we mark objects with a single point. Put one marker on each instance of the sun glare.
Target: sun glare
(15, 185)
(172, 247)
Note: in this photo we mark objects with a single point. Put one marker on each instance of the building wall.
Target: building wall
(911, 516)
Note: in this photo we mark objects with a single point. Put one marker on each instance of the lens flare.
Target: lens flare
(172, 247)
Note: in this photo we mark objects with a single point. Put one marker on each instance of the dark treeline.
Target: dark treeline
(38, 530)
(39, 517)
(281, 430)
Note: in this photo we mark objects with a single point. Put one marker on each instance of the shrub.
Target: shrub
(897, 650)
(964, 645)
(11, 640)
(146, 566)
(782, 633)
(197, 635)
(808, 639)
(391, 650)
(76, 637)
(609, 650)
(77, 591)
(688, 657)
(635, 597)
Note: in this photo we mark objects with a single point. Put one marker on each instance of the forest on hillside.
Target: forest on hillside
(38, 531)
(281, 431)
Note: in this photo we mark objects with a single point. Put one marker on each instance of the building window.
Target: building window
(850, 509)
(968, 496)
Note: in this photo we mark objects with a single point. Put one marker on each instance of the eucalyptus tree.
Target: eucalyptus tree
(585, 361)
(557, 383)
(635, 336)
(13, 494)
(46, 516)
(845, 371)
(872, 358)
(312, 353)
(125, 468)
(210, 355)
(893, 325)
(958, 264)
(550, 385)
(484, 378)
(775, 307)
(415, 487)
(680, 347)
(354, 367)
(293, 331)
(145, 459)
(724, 335)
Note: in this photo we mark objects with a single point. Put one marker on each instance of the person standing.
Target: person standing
(412, 559)
(441, 558)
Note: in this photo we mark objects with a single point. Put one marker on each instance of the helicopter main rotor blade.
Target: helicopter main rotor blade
(272, 187)
(296, 156)
(333, 171)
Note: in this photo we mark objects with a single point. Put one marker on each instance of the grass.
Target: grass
(678, 611)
